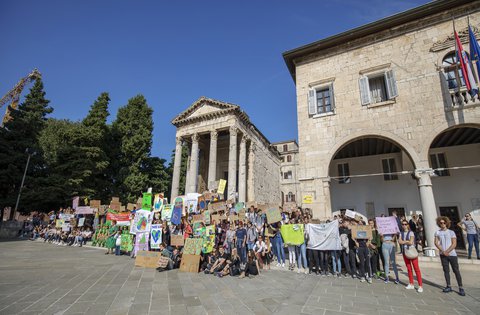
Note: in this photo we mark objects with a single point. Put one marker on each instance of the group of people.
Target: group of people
(51, 234)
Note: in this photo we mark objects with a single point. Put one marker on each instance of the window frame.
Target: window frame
(344, 174)
(289, 158)
(312, 100)
(435, 164)
(389, 81)
(389, 177)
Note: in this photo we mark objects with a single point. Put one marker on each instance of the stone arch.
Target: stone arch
(402, 143)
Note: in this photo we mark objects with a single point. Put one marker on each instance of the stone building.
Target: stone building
(289, 184)
(384, 119)
(224, 144)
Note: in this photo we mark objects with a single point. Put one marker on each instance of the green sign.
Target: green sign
(147, 201)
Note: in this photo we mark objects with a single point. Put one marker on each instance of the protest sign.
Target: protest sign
(126, 242)
(362, 232)
(65, 216)
(208, 239)
(155, 236)
(158, 203)
(217, 206)
(118, 216)
(163, 262)
(198, 229)
(75, 202)
(207, 217)
(178, 203)
(193, 246)
(307, 199)
(141, 242)
(292, 234)
(239, 206)
(84, 210)
(66, 227)
(115, 199)
(141, 222)
(221, 186)
(191, 202)
(147, 201)
(198, 218)
(207, 195)
(273, 214)
(81, 222)
(59, 223)
(167, 213)
(324, 236)
(289, 206)
(115, 206)
(130, 206)
(95, 204)
(139, 203)
(190, 263)
(387, 225)
(176, 216)
(176, 240)
(350, 213)
(147, 259)
(201, 202)
(73, 222)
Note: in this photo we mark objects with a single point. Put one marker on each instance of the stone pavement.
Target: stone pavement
(38, 278)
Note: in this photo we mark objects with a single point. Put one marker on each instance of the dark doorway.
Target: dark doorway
(400, 212)
(454, 216)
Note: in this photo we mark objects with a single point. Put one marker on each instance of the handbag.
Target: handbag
(118, 241)
(410, 251)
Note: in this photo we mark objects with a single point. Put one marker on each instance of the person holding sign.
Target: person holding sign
(363, 243)
(407, 239)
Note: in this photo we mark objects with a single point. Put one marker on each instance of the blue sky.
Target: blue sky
(173, 53)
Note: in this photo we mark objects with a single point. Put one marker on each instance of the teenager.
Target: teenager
(469, 226)
(407, 239)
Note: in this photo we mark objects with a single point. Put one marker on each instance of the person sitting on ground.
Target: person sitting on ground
(212, 259)
(251, 268)
(220, 262)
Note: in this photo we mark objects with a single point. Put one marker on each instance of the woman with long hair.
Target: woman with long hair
(407, 239)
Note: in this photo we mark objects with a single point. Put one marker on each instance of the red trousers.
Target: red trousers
(413, 262)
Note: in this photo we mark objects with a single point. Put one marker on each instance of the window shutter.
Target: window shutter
(364, 90)
(391, 84)
(312, 106)
(332, 97)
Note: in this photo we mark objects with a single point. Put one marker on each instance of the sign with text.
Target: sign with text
(176, 240)
(147, 259)
(387, 225)
(193, 246)
(307, 199)
(362, 232)
(84, 210)
(198, 218)
(273, 215)
(221, 186)
(95, 203)
(118, 216)
(190, 263)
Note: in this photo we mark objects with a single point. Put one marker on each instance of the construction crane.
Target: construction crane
(13, 96)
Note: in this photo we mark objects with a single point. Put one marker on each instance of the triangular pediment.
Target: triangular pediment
(204, 107)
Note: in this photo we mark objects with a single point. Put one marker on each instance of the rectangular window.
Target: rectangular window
(343, 173)
(287, 175)
(378, 91)
(438, 160)
(285, 147)
(321, 100)
(289, 158)
(389, 167)
(378, 88)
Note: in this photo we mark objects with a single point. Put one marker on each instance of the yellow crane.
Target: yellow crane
(13, 96)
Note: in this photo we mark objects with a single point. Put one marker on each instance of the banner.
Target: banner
(147, 201)
(75, 202)
(158, 203)
(323, 236)
(221, 186)
(387, 225)
(147, 259)
(155, 236)
(141, 222)
(292, 234)
(118, 216)
(81, 222)
(193, 246)
(167, 213)
(84, 210)
(141, 242)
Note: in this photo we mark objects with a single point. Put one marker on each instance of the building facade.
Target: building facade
(289, 184)
(224, 144)
(384, 119)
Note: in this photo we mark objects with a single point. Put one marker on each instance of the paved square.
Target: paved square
(38, 278)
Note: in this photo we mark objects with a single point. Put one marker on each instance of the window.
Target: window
(343, 173)
(289, 158)
(378, 88)
(287, 175)
(290, 197)
(453, 73)
(438, 160)
(285, 147)
(282, 159)
(321, 100)
(389, 167)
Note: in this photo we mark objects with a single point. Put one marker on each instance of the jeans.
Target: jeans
(350, 262)
(278, 244)
(388, 250)
(472, 240)
(250, 245)
(229, 248)
(117, 250)
(336, 261)
(364, 258)
(324, 261)
(302, 256)
(242, 251)
(313, 258)
(453, 261)
(291, 255)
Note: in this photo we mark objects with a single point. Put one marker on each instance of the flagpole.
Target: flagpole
(457, 77)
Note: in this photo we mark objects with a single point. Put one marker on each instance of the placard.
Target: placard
(190, 263)
(193, 246)
(221, 186)
(201, 202)
(362, 232)
(95, 203)
(167, 212)
(147, 259)
(207, 217)
(163, 262)
(207, 195)
(350, 213)
(387, 225)
(292, 234)
(158, 202)
(141, 241)
(147, 201)
(198, 218)
(155, 236)
(176, 240)
(84, 210)
(215, 218)
(81, 222)
(141, 222)
(239, 206)
(115, 199)
(217, 206)
(242, 214)
(290, 207)
(131, 206)
(139, 203)
(273, 215)
(115, 206)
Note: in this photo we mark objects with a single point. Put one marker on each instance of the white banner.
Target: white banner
(323, 236)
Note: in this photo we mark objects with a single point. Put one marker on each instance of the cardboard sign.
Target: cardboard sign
(147, 259)
(221, 186)
(176, 240)
(84, 210)
(217, 206)
(115, 199)
(190, 263)
(115, 206)
(273, 215)
(387, 225)
(198, 218)
(130, 206)
(95, 203)
(362, 232)
(163, 262)
(290, 207)
(350, 214)
(147, 201)
(193, 246)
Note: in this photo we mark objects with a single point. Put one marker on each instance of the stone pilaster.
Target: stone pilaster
(212, 162)
(242, 172)
(250, 176)
(193, 165)
(232, 163)
(177, 164)
(187, 175)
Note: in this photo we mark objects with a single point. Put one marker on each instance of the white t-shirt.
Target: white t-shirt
(445, 238)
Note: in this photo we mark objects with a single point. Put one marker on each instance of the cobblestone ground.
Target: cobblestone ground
(38, 278)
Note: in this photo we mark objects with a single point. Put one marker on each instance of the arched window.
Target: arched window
(290, 197)
(453, 72)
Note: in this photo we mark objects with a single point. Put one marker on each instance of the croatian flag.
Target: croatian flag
(474, 49)
(465, 65)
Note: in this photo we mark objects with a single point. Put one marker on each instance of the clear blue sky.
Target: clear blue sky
(173, 52)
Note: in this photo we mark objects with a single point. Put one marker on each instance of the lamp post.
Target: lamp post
(12, 216)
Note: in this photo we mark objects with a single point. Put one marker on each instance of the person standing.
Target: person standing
(469, 226)
(446, 241)
(407, 239)
(241, 241)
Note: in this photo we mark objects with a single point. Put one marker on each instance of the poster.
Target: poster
(208, 239)
(350, 213)
(176, 240)
(65, 216)
(191, 202)
(66, 227)
(116, 206)
(178, 203)
(207, 217)
(273, 215)
(167, 212)
(292, 234)
(158, 203)
(75, 202)
(59, 223)
(362, 232)
(221, 186)
(217, 206)
(95, 204)
(147, 259)
(324, 236)
(155, 236)
(147, 201)
(81, 222)
(239, 206)
(198, 218)
(126, 242)
(141, 242)
(387, 225)
(190, 263)
(198, 229)
(131, 206)
(202, 203)
(193, 246)
(141, 222)
(84, 210)
(163, 262)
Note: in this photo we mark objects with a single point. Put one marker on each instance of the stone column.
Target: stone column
(242, 173)
(429, 211)
(187, 175)
(177, 165)
(327, 206)
(212, 162)
(232, 163)
(250, 178)
(194, 164)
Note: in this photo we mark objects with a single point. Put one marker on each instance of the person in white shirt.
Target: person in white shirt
(262, 251)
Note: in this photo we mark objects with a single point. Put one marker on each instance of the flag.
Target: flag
(465, 65)
(474, 49)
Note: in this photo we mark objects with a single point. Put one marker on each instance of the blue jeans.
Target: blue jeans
(250, 245)
(242, 251)
(117, 250)
(278, 244)
(388, 251)
(302, 256)
(472, 240)
(229, 247)
(337, 262)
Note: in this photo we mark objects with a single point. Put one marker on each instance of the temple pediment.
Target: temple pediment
(204, 108)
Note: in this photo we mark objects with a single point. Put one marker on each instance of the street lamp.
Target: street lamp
(23, 180)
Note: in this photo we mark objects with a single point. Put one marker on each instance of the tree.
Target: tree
(159, 177)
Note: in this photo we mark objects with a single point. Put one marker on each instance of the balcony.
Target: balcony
(462, 98)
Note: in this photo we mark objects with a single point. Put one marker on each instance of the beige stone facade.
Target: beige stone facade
(224, 144)
(289, 185)
(400, 114)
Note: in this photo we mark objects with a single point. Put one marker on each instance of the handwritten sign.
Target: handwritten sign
(193, 246)
(163, 262)
(190, 263)
(176, 240)
(84, 210)
(362, 232)
(95, 203)
(387, 225)
(273, 215)
(217, 206)
(147, 259)
(307, 199)
(221, 186)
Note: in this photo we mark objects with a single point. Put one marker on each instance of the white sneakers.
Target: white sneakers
(410, 287)
(420, 290)
(283, 265)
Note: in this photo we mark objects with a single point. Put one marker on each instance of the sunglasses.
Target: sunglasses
(443, 222)
(404, 224)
